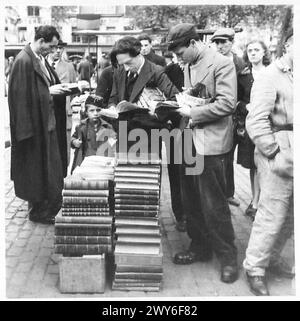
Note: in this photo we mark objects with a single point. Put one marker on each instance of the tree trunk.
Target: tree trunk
(286, 24)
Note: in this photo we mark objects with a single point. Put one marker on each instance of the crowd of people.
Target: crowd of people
(249, 107)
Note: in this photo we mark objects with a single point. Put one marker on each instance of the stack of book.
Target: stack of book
(138, 254)
(84, 225)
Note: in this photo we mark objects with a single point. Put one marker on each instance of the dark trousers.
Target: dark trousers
(208, 215)
(230, 172)
(44, 209)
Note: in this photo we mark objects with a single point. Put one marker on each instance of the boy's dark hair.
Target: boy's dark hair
(144, 37)
(46, 32)
(129, 45)
(93, 100)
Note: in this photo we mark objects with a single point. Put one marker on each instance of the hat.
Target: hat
(223, 33)
(181, 33)
(61, 43)
(94, 100)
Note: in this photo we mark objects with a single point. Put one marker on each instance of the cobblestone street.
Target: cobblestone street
(32, 269)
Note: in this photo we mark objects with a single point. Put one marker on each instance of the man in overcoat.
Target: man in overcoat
(37, 118)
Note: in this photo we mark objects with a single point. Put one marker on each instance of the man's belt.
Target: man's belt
(278, 128)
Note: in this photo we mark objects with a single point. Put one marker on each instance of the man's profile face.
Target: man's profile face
(146, 47)
(130, 63)
(185, 55)
(48, 47)
(224, 46)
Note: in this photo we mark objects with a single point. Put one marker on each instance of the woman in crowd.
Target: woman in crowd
(257, 57)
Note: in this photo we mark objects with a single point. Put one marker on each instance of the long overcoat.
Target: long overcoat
(38, 131)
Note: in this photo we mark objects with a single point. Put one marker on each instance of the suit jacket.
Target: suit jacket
(270, 111)
(213, 131)
(175, 74)
(150, 75)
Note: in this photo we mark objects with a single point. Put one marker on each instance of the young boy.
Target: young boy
(94, 135)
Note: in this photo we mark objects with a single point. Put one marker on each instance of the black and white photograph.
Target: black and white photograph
(148, 150)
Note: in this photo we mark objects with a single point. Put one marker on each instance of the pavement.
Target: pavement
(32, 266)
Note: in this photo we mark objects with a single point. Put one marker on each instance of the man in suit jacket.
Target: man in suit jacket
(66, 74)
(133, 75)
(148, 52)
(208, 215)
(37, 122)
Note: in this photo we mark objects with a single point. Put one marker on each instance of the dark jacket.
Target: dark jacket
(156, 59)
(104, 85)
(238, 63)
(38, 131)
(175, 74)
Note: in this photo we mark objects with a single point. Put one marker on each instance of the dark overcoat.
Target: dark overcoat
(38, 131)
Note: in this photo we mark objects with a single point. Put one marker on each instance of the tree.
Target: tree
(286, 25)
(60, 14)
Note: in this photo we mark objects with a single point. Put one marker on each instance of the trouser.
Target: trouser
(230, 172)
(44, 209)
(274, 221)
(174, 173)
(208, 215)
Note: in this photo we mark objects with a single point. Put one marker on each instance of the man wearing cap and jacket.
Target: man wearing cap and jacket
(223, 38)
(208, 215)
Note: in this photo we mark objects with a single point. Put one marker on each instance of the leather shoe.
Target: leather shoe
(281, 269)
(233, 201)
(258, 285)
(229, 273)
(181, 226)
(189, 257)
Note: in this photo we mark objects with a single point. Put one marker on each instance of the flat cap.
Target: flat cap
(223, 33)
(181, 33)
(94, 100)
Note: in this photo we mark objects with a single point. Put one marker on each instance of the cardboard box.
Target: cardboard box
(84, 274)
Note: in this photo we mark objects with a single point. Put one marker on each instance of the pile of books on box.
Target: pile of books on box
(138, 252)
(84, 225)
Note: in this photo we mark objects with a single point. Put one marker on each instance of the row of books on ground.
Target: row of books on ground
(84, 225)
(138, 254)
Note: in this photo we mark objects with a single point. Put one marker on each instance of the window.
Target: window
(33, 11)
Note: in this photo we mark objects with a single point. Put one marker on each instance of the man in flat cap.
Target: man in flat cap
(66, 74)
(208, 215)
(224, 38)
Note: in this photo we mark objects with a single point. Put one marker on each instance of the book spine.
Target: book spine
(81, 231)
(81, 249)
(84, 220)
(137, 174)
(86, 184)
(135, 186)
(79, 192)
(84, 200)
(137, 197)
(87, 207)
(122, 191)
(139, 276)
(87, 214)
(136, 207)
(133, 213)
(139, 269)
(75, 239)
(142, 169)
(127, 259)
(136, 180)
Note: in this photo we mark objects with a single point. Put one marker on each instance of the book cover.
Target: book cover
(81, 249)
(76, 239)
